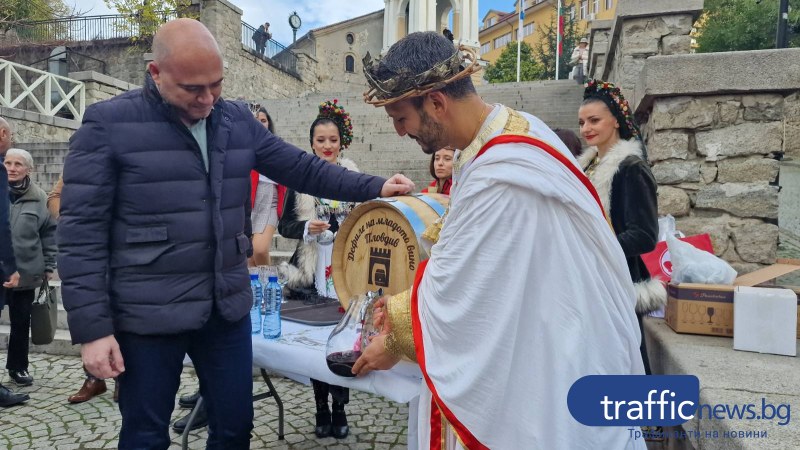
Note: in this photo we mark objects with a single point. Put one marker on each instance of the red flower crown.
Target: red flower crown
(333, 111)
(613, 97)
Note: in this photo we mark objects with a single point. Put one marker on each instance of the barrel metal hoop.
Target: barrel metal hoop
(413, 218)
(436, 206)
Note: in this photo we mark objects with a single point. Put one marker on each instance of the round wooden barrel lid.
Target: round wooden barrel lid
(378, 245)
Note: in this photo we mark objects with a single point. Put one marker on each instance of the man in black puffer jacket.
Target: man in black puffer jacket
(152, 242)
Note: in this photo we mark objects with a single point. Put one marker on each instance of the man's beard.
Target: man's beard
(431, 134)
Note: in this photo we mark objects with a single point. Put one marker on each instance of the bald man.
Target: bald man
(153, 249)
(9, 277)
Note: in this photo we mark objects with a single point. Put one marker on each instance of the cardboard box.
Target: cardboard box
(708, 308)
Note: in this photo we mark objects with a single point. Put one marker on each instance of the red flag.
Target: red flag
(560, 33)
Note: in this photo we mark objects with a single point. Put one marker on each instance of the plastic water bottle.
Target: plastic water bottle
(271, 309)
(258, 299)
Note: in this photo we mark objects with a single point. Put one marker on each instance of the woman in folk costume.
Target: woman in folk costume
(310, 266)
(616, 163)
(442, 171)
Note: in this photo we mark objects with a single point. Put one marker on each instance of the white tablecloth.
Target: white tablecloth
(299, 354)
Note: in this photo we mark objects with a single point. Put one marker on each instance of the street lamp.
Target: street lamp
(781, 38)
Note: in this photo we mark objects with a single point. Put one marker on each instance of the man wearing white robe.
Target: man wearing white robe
(526, 290)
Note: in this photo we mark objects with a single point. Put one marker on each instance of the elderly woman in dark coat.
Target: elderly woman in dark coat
(33, 237)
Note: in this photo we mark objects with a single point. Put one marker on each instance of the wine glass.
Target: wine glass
(272, 271)
(342, 211)
(693, 310)
(282, 280)
(264, 272)
(710, 312)
(324, 213)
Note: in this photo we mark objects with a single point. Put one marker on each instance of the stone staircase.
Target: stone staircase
(48, 159)
(376, 147)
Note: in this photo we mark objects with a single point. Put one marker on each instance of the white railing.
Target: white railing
(43, 92)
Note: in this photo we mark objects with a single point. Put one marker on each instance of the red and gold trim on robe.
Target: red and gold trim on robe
(400, 310)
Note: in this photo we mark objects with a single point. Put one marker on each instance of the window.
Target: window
(502, 40)
(486, 48)
(609, 4)
(584, 6)
(492, 21)
(350, 38)
(595, 6)
(349, 64)
(528, 29)
(572, 13)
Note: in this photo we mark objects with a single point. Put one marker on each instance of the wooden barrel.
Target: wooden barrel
(378, 245)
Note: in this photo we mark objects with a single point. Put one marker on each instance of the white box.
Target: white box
(764, 320)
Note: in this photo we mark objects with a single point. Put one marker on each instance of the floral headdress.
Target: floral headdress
(333, 111)
(461, 64)
(609, 94)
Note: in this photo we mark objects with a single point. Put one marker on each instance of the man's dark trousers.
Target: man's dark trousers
(222, 354)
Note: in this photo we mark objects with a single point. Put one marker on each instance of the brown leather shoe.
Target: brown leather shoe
(91, 388)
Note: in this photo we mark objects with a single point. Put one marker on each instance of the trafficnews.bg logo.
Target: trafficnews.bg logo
(657, 400)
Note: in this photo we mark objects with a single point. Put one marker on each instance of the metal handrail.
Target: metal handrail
(270, 49)
(88, 28)
(48, 93)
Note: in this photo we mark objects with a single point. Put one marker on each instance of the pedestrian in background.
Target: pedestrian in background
(9, 277)
(33, 235)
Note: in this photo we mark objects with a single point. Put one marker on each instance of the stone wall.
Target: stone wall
(715, 138)
(246, 74)
(29, 126)
(641, 29)
(715, 158)
(599, 37)
(101, 87)
(332, 47)
(123, 60)
(716, 125)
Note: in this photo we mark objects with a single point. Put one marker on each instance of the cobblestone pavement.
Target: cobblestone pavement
(48, 421)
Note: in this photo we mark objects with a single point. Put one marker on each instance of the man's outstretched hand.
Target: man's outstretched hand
(398, 184)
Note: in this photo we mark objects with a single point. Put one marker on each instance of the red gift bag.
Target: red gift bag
(658, 261)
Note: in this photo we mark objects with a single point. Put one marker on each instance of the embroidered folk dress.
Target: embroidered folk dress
(311, 262)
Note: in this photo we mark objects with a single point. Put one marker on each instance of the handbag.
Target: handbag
(659, 263)
(44, 315)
